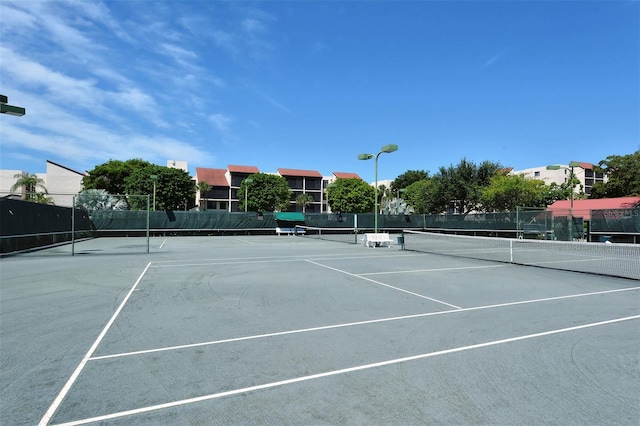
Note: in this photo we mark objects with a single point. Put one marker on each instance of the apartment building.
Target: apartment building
(225, 184)
(561, 173)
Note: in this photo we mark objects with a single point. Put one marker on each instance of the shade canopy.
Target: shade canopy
(290, 216)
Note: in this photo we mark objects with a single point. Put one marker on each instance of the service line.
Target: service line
(340, 371)
(385, 285)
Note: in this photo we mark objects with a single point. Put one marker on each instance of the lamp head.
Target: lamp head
(389, 148)
(365, 156)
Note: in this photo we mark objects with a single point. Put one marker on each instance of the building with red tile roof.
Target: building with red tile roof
(305, 182)
(343, 175)
(225, 183)
(582, 208)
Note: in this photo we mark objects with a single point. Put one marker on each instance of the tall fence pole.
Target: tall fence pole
(148, 221)
(73, 226)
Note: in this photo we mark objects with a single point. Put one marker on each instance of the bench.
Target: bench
(536, 230)
(377, 240)
(289, 231)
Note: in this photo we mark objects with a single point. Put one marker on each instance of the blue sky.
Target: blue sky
(312, 84)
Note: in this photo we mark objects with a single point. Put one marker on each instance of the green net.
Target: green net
(340, 234)
(619, 260)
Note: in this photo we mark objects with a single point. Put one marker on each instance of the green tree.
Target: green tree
(112, 175)
(506, 192)
(461, 185)
(266, 193)
(174, 187)
(99, 199)
(623, 176)
(424, 196)
(304, 200)
(407, 178)
(351, 196)
(29, 184)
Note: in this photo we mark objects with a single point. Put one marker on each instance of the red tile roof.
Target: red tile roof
(342, 175)
(214, 177)
(243, 169)
(295, 172)
(582, 208)
(584, 165)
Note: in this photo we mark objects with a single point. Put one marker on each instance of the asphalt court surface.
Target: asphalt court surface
(288, 330)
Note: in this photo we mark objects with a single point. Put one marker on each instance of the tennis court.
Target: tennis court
(296, 330)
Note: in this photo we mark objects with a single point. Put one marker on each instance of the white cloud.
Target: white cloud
(221, 122)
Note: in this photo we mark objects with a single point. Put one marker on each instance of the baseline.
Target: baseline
(342, 371)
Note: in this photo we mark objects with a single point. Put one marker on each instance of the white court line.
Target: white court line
(385, 285)
(242, 240)
(432, 270)
(159, 263)
(65, 389)
(252, 260)
(163, 243)
(357, 323)
(340, 371)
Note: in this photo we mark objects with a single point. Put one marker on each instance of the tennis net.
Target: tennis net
(618, 260)
(341, 235)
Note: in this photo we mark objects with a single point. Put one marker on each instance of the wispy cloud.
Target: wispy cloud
(46, 130)
(497, 57)
(120, 79)
(221, 123)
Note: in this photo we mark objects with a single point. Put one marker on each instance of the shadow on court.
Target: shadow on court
(287, 330)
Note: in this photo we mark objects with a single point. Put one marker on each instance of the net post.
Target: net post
(73, 225)
(355, 228)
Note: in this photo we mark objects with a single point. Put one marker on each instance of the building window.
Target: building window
(313, 184)
(536, 174)
(294, 182)
(236, 180)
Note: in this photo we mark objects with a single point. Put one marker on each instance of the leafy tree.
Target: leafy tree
(30, 183)
(99, 199)
(461, 186)
(424, 196)
(506, 192)
(174, 188)
(304, 200)
(266, 193)
(555, 192)
(112, 175)
(351, 196)
(407, 178)
(396, 206)
(623, 173)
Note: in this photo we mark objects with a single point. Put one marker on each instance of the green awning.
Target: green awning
(290, 216)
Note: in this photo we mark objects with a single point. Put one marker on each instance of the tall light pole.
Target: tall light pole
(154, 178)
(572, 164)
(386, 149)
(246, 192)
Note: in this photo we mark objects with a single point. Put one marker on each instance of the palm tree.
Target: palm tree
(30, 183)
(304, 200)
